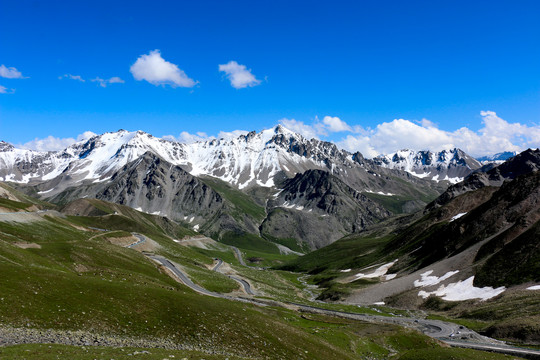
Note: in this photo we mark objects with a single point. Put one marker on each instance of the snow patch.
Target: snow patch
(46, 191)
(457, 216)
(463, 290)
(380, 271)
(292, 206)
(535, 287)
(389, 276)
(380, 193)
(345, 271)
(427, 280)
(378, 303)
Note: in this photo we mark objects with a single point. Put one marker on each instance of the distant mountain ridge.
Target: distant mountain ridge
(325, 187)
(451, 165)
(255, 159)
(523, 163)
(498, 158)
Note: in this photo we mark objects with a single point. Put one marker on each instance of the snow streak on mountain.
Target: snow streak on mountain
(252, 159)
(451, 165)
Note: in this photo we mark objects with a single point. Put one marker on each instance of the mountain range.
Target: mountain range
(274, 184)
(416, 230)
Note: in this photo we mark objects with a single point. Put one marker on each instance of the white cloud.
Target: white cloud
(10, 73)
(188, 138)
(428, 123)
(405, 134)
(497, 135)
(228, 135)
(335, 124)
(239, 76)
(5, 90)
(87, 135)
(358, 143)
(329, 124)
(307, 131)
(105, 82)
(51, 143)
(72, 77)
(157, 71)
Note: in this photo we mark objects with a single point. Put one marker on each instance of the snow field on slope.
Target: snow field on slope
(463, 290)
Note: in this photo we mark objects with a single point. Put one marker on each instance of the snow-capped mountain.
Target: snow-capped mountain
(492, 176)
(262, 159)
(252, 159)
(344, 191)
(498, 158)
(450, 165)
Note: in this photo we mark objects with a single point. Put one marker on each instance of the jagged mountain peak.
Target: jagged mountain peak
(498, 158)
(262, 158)
(5, 146)
(449, 164)
(523, 163)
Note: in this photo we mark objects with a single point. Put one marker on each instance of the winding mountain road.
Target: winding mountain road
(218, 265)
(181, 276)
(239, 255)
(242, 282)
(450, 333)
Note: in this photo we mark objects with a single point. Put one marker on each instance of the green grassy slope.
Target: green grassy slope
(77, 280)
(243, 204)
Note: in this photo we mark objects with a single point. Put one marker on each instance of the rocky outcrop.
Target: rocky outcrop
(320, 208)
(523, 163)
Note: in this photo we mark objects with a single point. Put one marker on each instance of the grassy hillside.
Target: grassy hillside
(76, 279)
(354, 251)
(243, 204)
(19, 196)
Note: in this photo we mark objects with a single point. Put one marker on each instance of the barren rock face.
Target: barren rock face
(522, 163)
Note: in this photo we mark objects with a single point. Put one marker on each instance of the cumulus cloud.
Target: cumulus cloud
(335, 124)
(157, 71)
(239, 76)
(105, 82)
(358, 143)
(71, 77)
(51, 143)
(329, 124)
(307, 131)
(228, 135)
(188, 138)
(496, 135)
(10, 72)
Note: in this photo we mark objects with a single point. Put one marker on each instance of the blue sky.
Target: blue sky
(472, 69)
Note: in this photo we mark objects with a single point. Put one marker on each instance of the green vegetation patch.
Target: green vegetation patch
(212, 280)
(348, 253)
(242, 202)
(13, 205)
(249, 241)
(291, 243)
(394, 203)
(54, 351)
(516, 263)
(452, 354)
